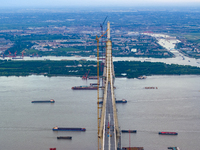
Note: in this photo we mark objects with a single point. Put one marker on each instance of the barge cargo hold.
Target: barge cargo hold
(84, 88)
(68, 129)
(48, 101)
(132, 148)
(129, 131)
(64, 137)
(168, 133)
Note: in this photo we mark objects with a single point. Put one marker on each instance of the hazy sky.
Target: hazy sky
(46, 3)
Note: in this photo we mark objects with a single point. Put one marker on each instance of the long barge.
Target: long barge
(117, 101)
(132, 148)
(129, 131)
(121, 101)
(84, 88)
(47, 101)
(68, 129)
(93, 84)
(92, 77)
(151, 87)
(168, 133)
(64, 137)
(17, 57)
(174, 148)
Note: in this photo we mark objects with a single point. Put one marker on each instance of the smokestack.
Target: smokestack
(108, 27)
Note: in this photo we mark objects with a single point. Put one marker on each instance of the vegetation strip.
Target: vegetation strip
(127, 69)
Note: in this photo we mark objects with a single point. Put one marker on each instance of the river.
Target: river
(174, 106)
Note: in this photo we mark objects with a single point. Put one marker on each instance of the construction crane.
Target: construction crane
(23, 53)
(15, 54)
(101, 45)
(101, 25)
(98, 98)
(86, 75)
(9, 52)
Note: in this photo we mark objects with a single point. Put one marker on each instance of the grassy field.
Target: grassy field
(67, 49)
(192, 36)
(54, 52)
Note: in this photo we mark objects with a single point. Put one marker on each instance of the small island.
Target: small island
(132, 69)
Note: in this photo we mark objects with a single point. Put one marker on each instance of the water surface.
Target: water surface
(174, 106)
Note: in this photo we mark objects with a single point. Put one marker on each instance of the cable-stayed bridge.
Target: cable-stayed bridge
(108, 128)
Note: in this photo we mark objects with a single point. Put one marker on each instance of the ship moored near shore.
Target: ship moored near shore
(142, 77)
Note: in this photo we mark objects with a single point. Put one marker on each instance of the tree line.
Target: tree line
(127, 69)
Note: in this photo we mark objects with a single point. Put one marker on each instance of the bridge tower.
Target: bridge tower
(108, 129)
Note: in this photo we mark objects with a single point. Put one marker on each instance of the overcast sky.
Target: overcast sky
(46, 3)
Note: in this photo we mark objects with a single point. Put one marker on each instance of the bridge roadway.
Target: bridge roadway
(109, 130)
(109, 134)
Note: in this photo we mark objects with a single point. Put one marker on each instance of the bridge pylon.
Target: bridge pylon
(108, 128)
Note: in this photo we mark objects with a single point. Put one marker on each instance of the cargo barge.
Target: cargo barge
(129, 131)
(121, 101)
(64, 137)
(132, 148)
(117, 101)
(168, 133)
(17, 57)
(84, 88)
(68, 129)
(93, 84)
(174, 148)
(92, 77)
(151, 87)
(48, 101)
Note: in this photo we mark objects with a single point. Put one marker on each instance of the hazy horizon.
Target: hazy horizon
(90, 3)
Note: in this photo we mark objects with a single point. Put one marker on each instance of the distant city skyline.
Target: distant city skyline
(84, 3)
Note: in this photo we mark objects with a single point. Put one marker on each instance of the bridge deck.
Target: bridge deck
(109, 135)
